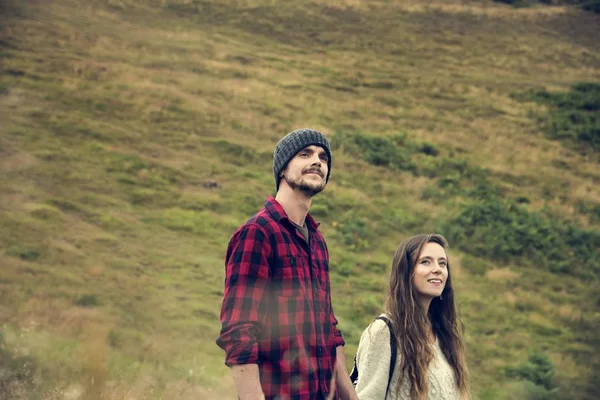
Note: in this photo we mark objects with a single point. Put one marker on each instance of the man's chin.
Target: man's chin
(311, 190)
(306, 187)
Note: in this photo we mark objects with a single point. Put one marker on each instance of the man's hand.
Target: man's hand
(342, 379)
(247, 382)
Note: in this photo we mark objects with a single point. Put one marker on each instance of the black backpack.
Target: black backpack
(354, 373)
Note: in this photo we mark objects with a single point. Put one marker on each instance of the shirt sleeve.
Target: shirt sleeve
(244, 305)
(339, 340)
(373, 360)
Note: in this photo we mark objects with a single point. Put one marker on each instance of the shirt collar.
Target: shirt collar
(278, 213)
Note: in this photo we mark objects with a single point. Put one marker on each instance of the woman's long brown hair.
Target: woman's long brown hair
(410, 321)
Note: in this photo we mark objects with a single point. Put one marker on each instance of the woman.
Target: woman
(430, 362)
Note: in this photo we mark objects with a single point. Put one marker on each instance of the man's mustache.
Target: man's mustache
(312, 170)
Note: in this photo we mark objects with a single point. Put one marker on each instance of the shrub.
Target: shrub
(503, 230)
(588, 5)
(538, 369)
(574, 114)
(456, 177)
(87, 300)
(429, 148)
(588, 208)
(591, 5)
(513, 2)
(378, 151)
(25, 253)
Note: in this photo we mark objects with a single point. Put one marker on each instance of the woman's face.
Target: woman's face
(431, 272)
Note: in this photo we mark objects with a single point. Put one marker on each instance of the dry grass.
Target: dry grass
(115, 92)
(502, 275)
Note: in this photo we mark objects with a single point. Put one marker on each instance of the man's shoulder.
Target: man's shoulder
(262, 221)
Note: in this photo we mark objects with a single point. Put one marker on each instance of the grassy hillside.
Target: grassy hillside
(137, 135)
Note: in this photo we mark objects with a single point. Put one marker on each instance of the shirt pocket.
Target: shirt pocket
(289, 279)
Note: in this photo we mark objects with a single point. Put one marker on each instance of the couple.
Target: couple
(279, 331)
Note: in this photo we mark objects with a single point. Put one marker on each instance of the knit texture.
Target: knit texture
(373, 361)
(292, 143)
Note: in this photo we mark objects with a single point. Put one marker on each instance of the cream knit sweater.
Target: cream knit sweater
(373, 360)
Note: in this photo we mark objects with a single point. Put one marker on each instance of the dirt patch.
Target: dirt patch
(17, 161)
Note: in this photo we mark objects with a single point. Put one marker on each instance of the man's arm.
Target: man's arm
(343, 384)
(244, 309)
(247, 382)
(342, 379)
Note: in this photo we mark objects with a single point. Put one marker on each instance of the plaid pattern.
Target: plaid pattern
(277, 309)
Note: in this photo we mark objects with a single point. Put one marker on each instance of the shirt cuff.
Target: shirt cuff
(242, 354)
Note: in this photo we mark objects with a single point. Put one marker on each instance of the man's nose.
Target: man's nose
(316, 160)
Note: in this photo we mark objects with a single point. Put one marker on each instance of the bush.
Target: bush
(538, 369)
(588, 208)
(25, 253)
(503, 230)
(591, 5)
(455, 175)
(87, 300)
(512, 2)
(588, 5)
(574, 115)
(378, 151)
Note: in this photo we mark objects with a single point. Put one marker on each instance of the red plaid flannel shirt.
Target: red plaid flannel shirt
(277, 309)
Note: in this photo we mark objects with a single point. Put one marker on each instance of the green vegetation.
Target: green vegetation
(575, 115)
(16, 372)
(539, 372)
(503, 230)
(378, 151)
(136, 137)
(588, 5)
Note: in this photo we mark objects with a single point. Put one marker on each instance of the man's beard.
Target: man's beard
(304, 187)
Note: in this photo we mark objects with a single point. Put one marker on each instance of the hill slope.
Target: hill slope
(136, 136)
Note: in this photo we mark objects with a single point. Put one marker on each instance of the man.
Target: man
(278, 327)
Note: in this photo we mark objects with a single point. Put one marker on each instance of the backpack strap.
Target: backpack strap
(354, 374)
(394, 352)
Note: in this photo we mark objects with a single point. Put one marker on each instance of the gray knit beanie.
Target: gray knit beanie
(292, 143)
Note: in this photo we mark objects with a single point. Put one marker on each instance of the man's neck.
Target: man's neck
(295, 204)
